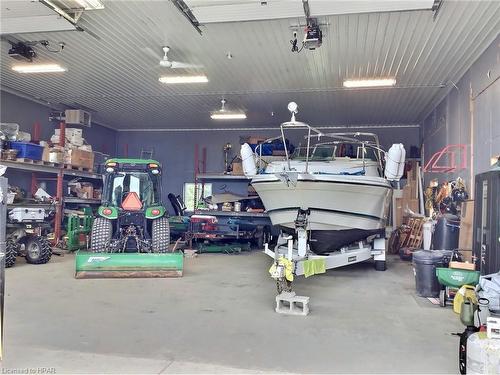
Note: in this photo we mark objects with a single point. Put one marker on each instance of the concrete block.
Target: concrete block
(289, 303)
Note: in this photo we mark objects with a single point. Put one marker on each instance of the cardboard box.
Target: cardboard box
(53, 155)
(45, 154)
(79, 158)
(237, 168)
(256, 140)
(86, 191)
(466, 226)
(463, 266)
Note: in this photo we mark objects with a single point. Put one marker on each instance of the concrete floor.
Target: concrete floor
(219, 318)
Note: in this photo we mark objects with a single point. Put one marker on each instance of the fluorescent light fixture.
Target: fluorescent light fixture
(183, 79)
(38, 68)
(370, 82)
(90, 4)
(228, 116)
(224, 114)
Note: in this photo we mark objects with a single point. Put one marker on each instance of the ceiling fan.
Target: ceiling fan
(166, 63)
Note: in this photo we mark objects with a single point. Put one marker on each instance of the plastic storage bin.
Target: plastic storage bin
(27, 150)
(425, 263)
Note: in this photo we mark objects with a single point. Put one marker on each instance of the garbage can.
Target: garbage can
(425, 263)
(446, 233)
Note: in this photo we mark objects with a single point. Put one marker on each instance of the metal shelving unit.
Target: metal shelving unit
(232, 213)
(31, 167)
(61, 172)
(77, 200)
(220, 176)
(84, 174)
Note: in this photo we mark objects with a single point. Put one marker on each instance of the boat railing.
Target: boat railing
(299, 125)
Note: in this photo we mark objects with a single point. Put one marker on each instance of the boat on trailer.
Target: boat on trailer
(329, 197)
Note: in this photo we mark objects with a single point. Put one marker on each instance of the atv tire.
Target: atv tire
(38, 250)
(11, 251)
(160, 235)
(100, 237)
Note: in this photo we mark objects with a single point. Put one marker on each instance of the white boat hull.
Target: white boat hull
(335, 202)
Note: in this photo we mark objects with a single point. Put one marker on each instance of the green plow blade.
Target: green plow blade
(128, 265)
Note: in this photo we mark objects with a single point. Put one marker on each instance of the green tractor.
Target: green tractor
(130, 237)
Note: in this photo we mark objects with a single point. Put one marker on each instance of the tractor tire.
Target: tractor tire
(11, 251)
(100, 237)
(38, 250)
(160, 235)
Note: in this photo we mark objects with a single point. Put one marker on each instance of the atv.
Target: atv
(26, 230)
(132, 217)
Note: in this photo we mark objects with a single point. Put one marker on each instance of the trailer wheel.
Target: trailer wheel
(380, 265)
(11, 251)
(100, 238)
(160, 235)
(38, 250)
(442, 298)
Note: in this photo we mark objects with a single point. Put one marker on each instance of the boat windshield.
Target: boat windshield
(332, 150)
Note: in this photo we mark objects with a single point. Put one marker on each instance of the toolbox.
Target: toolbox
(26, 214)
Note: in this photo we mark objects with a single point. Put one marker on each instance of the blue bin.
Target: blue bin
(27, 150)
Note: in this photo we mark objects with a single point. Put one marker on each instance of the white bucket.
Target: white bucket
(427, 232)
(237, 206)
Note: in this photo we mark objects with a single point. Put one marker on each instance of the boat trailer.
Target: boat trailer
(291, 254)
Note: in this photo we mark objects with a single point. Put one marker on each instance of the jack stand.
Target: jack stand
(301, 230)
(287, 302)
(379, 254)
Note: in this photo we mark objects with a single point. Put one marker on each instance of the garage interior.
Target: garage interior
(301, 186)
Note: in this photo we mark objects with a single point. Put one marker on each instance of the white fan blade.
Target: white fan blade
(181, 65)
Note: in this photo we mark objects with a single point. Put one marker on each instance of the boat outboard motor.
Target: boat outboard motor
(395, 162)
(248, 161)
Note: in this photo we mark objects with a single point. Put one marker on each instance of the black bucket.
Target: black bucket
(425, 263)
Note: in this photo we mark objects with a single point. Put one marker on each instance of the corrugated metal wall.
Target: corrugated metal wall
(452, 122)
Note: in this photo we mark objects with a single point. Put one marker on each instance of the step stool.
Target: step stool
(290, 304)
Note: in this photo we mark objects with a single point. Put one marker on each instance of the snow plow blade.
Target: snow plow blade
(128, 265)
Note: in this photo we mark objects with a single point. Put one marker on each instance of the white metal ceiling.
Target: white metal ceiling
(210, 11)
(114, 76)
(24, 15)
